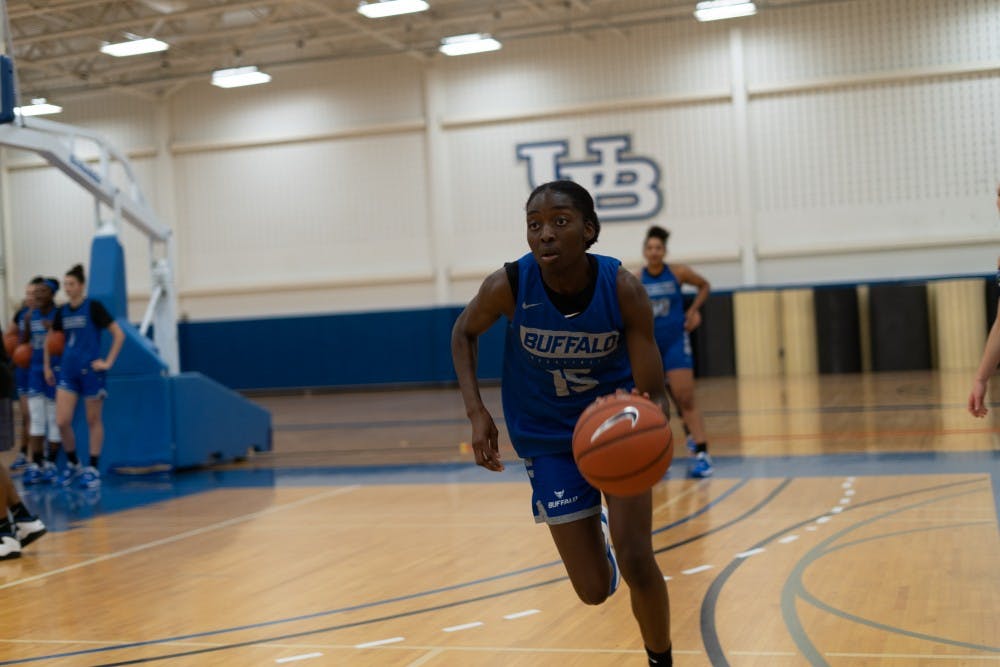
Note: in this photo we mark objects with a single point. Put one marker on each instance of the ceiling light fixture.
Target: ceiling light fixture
(134, 47)
(460, 45)
(235, 77)
(383, 8)
(713, 10)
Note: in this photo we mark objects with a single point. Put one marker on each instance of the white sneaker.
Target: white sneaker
(28, 529)
(616, 575)
(9, 546)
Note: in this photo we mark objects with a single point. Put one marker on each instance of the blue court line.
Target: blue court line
(429, 609)
(367, 605)
(709, 633)
(794, 588)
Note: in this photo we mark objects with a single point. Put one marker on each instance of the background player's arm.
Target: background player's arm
(643, 355)
(988, 366)
(687, 276)
(493, 300)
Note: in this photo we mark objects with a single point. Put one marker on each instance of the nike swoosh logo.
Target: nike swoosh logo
(630, 412)
(526, 305)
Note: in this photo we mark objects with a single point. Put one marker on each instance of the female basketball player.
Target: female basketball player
(82, 373)
(559, 292)
(19, 324)
(672, 325)
(41, 394)
(991, 357)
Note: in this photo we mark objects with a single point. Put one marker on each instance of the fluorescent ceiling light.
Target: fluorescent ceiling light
(134, 47)
(460, 45)
(383, 8)
(38, 107)
(713, 10)
(239, 76)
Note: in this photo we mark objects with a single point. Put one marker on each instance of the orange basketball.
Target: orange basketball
(10, 341)
(623, 445)
(22, 355)
(55, 342)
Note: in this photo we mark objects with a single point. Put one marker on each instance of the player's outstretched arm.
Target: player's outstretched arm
(643, 355)
(493, 300)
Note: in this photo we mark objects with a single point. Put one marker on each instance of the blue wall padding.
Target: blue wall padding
(138, 355)
(106, 281)
(213, 423)
(137, 424)
(394, 347)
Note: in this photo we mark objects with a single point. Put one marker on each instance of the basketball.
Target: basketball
(55, 343)
(10, 341)
(623, 445)
(22, 355)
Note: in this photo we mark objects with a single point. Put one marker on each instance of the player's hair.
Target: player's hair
(657, 232)
(77, 272)
(37, 280)
(582, 201)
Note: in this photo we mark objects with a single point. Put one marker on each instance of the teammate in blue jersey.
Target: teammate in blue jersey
(673, 324)
(990, 360)
(43, 435)
(579, 327)
(83, 373)
(19, 323)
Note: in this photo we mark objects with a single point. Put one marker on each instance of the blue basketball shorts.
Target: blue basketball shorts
(559, 493)
(21, 381)
(676, 351)
(37, 386)
(84, 382)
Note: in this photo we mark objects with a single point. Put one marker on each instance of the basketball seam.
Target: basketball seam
(597, 448)
(618, 478)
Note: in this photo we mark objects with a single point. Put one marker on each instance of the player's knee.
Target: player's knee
(638, 566)
(64, 422)
(593, 594)
(36, 416)
(685, 400)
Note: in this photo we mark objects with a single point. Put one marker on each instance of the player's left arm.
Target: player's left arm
(688, 276)
(643, 354)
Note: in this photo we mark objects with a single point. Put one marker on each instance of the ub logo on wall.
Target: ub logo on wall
(625, 187)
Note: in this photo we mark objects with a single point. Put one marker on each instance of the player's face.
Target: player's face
(557, 232)
(654, 250)
(43, 296)
(72, 287)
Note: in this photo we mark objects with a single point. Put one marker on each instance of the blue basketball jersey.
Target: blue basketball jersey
(665, 296)
(39, 325)
(554, 365)
(83, 336)
(21, 319)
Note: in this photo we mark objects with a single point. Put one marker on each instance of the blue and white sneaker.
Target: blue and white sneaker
(701, 466)
(89, 478)
(691, 445)
(27, 529)
(20, 463)
(32, 475)
(49, 473)
(616, 575)
(69, 473)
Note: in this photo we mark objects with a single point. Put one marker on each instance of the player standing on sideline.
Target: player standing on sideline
(991, 358)
(82, 374)
(19, 324)
(673, 325)
(41, 394)
(555, 292)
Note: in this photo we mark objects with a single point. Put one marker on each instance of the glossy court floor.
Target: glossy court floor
(852, 520)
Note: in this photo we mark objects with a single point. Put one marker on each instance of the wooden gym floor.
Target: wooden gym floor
(852, 521)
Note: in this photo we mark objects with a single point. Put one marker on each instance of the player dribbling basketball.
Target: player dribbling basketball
(579, 327)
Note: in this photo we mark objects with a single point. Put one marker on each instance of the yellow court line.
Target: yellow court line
(183, 536)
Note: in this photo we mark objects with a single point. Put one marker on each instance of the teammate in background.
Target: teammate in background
(19, 324)
(673, 325)
(559, 291)
(44, 438)
(990, 360)
(82, 374)
(18, 526)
